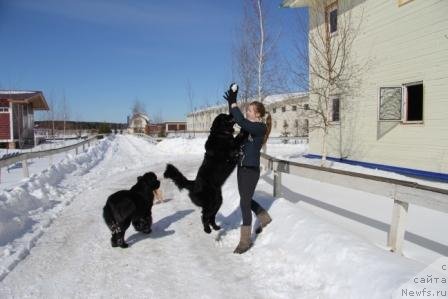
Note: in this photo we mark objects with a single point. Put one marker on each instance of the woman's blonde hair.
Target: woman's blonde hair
(259, 107)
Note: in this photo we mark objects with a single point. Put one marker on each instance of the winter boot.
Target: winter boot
(264, 219)
(245, 240)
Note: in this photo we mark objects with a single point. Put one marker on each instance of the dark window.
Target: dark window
(335, 110)
(294, 108)
(306, 107)
(333, 20)
(283, 109)
(331, 17)
(273, 110)
(172, 127)
(414, 102)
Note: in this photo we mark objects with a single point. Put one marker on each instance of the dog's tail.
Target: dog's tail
(178, 178)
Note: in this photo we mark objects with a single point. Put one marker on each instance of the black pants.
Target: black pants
(247, 181)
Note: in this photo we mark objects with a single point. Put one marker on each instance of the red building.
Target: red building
(163, 129)
(17, 116)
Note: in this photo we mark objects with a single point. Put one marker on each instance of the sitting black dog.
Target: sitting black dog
(131, 206)
(220, 160)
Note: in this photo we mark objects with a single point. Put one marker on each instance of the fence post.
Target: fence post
(76, 150)
(277, 183)
(25, 168)
(83, 147)
(398, 226)
(50, 159)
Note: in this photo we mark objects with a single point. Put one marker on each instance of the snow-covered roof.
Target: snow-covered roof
(9, 92)
(142, 115)
(271, 99)
(283, 97)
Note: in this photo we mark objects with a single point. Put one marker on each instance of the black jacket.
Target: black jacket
(250, 148)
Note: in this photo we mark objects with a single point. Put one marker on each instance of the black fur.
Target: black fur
(220, 160)
(131, 206)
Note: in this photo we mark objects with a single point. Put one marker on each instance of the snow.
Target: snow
(54, 243)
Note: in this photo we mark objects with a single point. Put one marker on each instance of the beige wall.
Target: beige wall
(203, 119)
(407, 43)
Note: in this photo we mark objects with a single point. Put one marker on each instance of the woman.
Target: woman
(248, 171)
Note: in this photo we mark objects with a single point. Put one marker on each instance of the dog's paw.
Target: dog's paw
(208, 230)
(216, 227)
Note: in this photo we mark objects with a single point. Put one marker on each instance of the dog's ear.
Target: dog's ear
(155, 184)
(139, 178)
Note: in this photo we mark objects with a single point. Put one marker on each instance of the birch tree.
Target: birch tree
(255, 60)
(332, 68)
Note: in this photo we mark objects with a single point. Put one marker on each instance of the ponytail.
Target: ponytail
(259, 107)
(268, 127)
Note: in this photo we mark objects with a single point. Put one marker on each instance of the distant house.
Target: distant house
(174, 126)
(138, 123)
(167, 128)
(17, 116)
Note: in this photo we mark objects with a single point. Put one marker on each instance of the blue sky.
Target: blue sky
(102, 55)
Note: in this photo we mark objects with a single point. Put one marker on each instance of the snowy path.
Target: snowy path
(298, 256)
(74, 259)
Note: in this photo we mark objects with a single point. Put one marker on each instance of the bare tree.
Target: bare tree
(254, 55)
(332, 72)
(138, 107)
(190, 97)
(158, 117)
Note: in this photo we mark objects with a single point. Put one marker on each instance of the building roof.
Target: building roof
(274, 98)
(271, 99)
(295, 3)
(35, 98)
(142, 115)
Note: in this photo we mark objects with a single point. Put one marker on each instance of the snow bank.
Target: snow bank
(30, 207)
(301, 256)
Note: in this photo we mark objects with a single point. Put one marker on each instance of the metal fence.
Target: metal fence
(24, 157)
(403, 193)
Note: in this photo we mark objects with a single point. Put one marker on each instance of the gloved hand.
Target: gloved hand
(231, 94)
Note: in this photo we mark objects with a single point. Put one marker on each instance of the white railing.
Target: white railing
(24, 157)
(401, 192)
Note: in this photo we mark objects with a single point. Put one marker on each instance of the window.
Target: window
(331, 17)
(413, 102)
(390, 103)
(401, 103)
(283, 109)
(294, 108)
(4, 106)
(306, 107)
(335, 109)
(296, 123)
(307, 127)
(275, 124)
(273, 110)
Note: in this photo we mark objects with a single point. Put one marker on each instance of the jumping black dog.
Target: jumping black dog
(221, 156)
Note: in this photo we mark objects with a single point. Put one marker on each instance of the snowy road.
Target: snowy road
(298, 256)
(73, 258)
